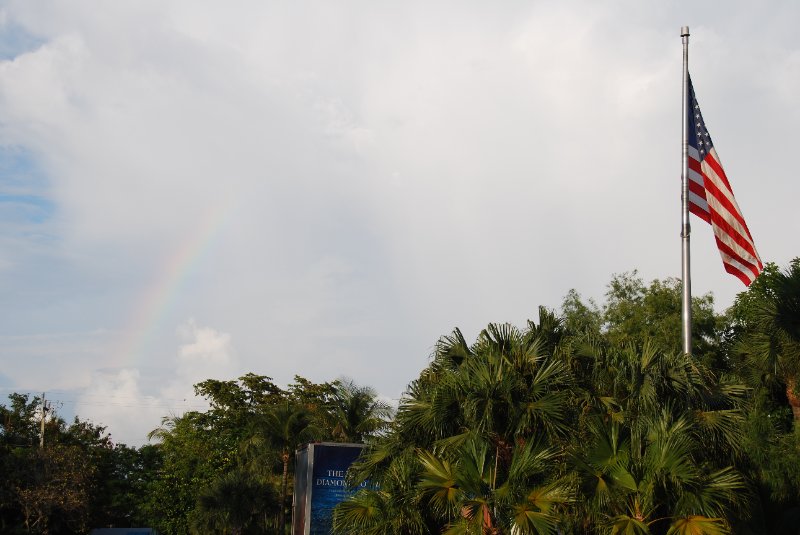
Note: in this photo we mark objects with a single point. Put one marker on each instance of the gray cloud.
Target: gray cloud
(335, 186)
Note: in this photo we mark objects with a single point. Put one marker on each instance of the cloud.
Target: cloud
(114, 399)
(131, 403)
(205, 354)
(60, 360)
(393, 171)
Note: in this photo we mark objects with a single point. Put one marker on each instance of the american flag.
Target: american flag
(711, 199)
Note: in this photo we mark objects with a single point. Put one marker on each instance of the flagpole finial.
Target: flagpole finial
(684, 31)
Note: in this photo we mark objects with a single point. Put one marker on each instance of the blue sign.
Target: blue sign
(329, 487)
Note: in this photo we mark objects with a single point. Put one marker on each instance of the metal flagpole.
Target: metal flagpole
(686, 301)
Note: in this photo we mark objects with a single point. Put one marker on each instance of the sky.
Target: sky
(198, 189)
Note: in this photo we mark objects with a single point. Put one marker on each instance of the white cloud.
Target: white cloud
(131, 404)
(114, 399)
(205, 354)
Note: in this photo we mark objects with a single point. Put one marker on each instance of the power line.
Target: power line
(79, 395)
(119, 401)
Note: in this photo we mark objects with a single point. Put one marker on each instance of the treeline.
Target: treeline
(589, 420)
(225, 470)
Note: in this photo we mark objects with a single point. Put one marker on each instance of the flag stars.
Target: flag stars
(701, 139)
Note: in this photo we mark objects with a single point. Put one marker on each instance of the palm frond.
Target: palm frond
(438, 481)
(627, 525)
(698, 525)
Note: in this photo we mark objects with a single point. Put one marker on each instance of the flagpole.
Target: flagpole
(686, 300)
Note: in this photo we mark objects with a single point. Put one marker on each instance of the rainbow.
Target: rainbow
(152, 308)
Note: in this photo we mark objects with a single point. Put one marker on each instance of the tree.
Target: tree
(552, 429)
(635, 312)
(356, 412)
(250, 392)
(232, 502)
(767, 318)
(475, 431)
(18, 433)
(473, 491)
(315, 397)
(763, 340)
(195, 449)
(395, 506)
(657, 442)
(283, 427)
(20, 421)
(253, 426)
(56, 489)
(67, 485)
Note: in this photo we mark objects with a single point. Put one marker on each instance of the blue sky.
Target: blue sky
(16, 40)
(193, 190)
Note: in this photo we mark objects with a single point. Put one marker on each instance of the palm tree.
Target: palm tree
(506, 386)
(527, 431)
(664, 483)
(656, 443)
(770, 312)
(356, 412)
(231, 503)
(473, 413)
(472, 493)
(393, 508)
(283, 427)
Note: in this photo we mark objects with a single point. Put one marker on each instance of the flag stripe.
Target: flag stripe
(699, 212)
(697, 192)
(735, 241)
(725, 214)
(745, 278)
(712, 159)
(735, 249)
(732, 257)
(698, 189)
(734, 267)
(726, 223)
(722, 192)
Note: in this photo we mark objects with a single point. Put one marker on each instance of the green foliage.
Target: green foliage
(78, 480)
(766, 330)
(635, 313)
(763, 340)
(284, 427)
(234, 502)
(316, 398)
(249, 392)
(587, 421)
(590, 423)
(54, 490)
(252, 429)
(20, 421)
(355, 412)
(470, 421)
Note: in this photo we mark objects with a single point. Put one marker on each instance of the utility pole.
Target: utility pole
(41, 429)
